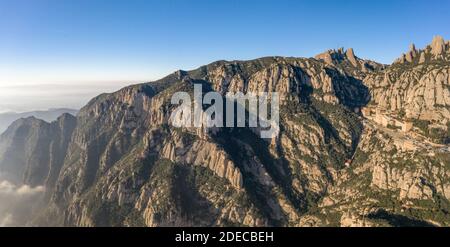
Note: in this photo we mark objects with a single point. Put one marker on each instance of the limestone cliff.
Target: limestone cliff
(417, 84)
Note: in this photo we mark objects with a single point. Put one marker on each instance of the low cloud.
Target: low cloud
(18, 203)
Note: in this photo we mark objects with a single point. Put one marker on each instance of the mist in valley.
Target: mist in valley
(18, 203)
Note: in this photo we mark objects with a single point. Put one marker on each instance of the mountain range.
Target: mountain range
(360, 144)
(7, 118)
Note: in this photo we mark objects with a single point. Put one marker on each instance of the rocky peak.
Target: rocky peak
(412, 53)
(333, 56)
(417, 83)
(180, 74)
(66, 118)
(437, 50)
(348, 61)
(438, 45)
(351, 56)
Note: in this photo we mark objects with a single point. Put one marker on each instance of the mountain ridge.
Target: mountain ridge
(7, 118)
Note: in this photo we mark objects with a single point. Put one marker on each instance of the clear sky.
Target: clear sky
(111, 43)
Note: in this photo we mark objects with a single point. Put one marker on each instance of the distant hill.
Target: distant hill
(50, 115)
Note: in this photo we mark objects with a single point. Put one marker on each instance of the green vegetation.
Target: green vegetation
(401, 113)
(360, 157)
(436, 210)
(393, 127)
(437, 135)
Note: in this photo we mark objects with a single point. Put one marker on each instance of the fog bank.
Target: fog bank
(18, 203)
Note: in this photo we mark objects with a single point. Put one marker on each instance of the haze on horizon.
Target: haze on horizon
(62, 53)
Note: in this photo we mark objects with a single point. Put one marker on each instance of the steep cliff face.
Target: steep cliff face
(347, 61)
(123, 143)
(32, 151)
(388, 186)
(417, 84)
(124, 164)
(304, 78)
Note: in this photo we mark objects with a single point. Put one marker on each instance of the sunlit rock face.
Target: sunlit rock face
(418, 83)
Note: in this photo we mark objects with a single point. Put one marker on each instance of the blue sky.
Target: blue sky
(115, 43)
